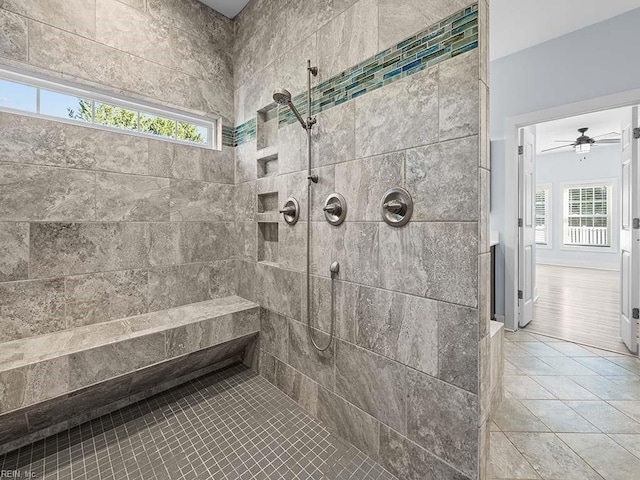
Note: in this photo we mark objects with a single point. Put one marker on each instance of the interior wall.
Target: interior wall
(400, 380)
(540, 77)
(97, 225)
(555, 169)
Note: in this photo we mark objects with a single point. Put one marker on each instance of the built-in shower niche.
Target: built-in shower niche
(268, 242)
(267, 216)
(268, 202)
(267, 162)
(267, 127)
(267, 141)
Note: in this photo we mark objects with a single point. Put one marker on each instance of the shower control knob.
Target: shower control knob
(333, 208)
(291, 211)
(396, 206)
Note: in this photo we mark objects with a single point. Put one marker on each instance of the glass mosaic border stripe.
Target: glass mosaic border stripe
(451, 37)
(228, 136)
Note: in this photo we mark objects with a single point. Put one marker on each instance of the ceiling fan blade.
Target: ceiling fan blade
(605, 134)
(565, 141)
(556, 148)
(608, 140)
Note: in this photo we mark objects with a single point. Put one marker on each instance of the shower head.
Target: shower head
(283, 97)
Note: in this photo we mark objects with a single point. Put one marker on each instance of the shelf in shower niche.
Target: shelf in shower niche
(268, 242)
(268, 202)
(267, 153)
(268, 217)
(267, 162)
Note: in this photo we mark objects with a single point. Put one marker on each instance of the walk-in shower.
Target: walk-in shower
(283, 97)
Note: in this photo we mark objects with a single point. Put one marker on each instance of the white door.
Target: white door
(629, 239)
(526, 224)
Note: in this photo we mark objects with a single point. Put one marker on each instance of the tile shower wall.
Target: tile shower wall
(406, 379)
(96, 225)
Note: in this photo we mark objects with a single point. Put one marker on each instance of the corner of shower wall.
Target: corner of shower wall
(412, 307)
(488, 366)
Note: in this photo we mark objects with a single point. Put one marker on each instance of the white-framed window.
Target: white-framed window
(34, 96)
(543, 216)
(588, 215)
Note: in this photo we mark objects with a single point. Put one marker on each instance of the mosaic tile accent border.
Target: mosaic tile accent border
(232, 137)
(451, 37)
(228, 136)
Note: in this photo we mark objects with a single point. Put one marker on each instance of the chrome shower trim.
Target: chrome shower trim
(335, 209)
(396, 207)
(291, 211)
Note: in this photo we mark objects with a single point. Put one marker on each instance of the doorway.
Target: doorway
(575, 246)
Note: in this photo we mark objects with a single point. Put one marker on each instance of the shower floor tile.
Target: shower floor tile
(230, 424)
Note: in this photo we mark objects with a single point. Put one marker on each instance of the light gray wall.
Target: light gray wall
(566, 167)
(549, 75)
(401, 379)
(98, 225)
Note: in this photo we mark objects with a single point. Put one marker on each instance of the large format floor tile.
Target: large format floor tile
(558, 416)
(564, 388)
(607, 418)
(513, 416)
(571, 415)
(551, 457)
(506, 461)
(231, 424)
(608, 458)
(524, 387)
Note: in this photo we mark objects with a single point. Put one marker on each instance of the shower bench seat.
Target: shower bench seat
(52, 378)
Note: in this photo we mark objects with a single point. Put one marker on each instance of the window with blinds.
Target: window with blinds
(542, 216)
(587, 219)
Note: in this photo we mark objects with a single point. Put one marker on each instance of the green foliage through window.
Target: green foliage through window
(119, 117)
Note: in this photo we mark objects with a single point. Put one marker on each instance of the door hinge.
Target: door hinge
(520, 222)
(520, 150)
(635, 313)
(636, 223)
(520, 295)
(636, 133)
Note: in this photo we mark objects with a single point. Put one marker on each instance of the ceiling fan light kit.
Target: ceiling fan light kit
(582, 148)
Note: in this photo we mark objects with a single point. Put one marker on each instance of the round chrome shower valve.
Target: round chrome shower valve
(397, 207)
(291, 211)
(335, 209)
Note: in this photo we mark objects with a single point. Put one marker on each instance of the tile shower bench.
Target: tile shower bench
(55, 379)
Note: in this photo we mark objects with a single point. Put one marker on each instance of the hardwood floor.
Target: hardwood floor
(578, 304)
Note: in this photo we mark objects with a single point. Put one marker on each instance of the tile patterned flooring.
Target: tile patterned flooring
(570, 412)
(231, 424)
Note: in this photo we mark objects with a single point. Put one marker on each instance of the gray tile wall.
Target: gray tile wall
(173, 52)
(403, 378)
(96, 225)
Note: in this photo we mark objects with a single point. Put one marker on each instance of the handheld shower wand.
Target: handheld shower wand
(283, 97)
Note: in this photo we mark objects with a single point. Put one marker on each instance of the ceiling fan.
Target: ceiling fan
(583, 143)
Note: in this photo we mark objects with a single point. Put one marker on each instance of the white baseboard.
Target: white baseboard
(580, 265)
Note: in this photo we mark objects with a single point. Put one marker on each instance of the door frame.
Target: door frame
(511, 235)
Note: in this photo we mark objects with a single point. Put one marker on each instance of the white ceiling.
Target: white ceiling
(519, 24)
(229, 8)
(567, 128)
